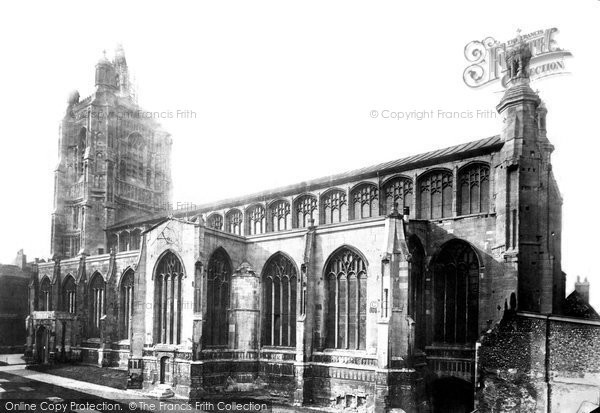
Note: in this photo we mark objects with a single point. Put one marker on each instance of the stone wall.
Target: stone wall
(535, 363)
(575, 364)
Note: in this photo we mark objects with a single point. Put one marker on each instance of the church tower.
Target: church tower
(528, 206)
(114, 163)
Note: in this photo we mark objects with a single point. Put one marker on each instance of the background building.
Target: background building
(113, 164)
(14, 282)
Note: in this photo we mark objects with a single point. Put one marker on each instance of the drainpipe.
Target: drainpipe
(547, 365)
(476, 378)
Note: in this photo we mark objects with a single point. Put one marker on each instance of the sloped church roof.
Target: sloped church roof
(465, 150)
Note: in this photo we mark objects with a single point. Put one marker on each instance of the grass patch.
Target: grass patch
(91, 374)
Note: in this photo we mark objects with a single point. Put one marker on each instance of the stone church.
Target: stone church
(368, 290)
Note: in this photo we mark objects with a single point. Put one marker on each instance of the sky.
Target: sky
(282, 92)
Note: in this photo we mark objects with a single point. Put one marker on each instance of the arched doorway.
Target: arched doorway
(452, 395)
(165, 370)
(41, 345)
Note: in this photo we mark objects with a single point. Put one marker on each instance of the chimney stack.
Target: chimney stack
(583, 288)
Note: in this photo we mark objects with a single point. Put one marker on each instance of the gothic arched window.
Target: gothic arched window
(167, 299)
(81, 144)
(68, 294)
(122, 170)
(279, 301)
(113, 243)
(257, 220)
(100, 164)
(435, 195)
(217, 297)
(126, 305)
(45, 297)
(455, 294)
(305, 210)
(215, 221)
(365, 201)
(234, 220)
(398, 190)
(75, 217)
(346, 283)
(280, 216)
(474, 189)
(124, 241)
(135, 239)
(97, 294)
(334, 207)
(158, 181)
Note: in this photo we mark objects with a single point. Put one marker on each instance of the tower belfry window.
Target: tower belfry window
(75, 218)
(134, 155)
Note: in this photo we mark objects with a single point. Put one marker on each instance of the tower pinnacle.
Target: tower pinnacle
(517, 60)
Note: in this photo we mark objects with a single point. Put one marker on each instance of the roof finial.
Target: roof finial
(119, 53)
(519, 38)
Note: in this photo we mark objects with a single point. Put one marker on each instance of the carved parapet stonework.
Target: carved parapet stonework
(343, 359)
(344, 373)
(183, 355)
(276, 356)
